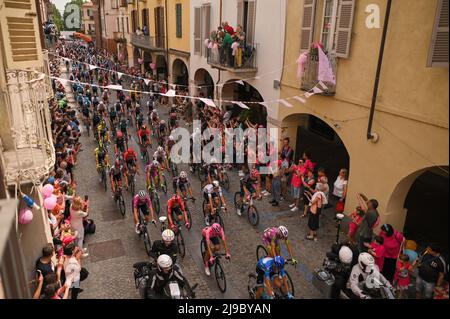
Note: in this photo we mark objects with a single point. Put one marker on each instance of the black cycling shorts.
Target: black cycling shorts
(261, 276)
(214, 240)
(144, 209)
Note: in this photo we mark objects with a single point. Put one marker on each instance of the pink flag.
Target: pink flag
(325, 70)
(301, 61)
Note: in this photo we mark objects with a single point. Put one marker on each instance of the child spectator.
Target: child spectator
(402, 275)
(376, 249)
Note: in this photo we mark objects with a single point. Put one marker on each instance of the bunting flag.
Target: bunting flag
(257, 77)
(323, 85)
(147, 81)
(300, 99)
(170, 93)
(114, 87)
(208, 102)
(119, 75)
(266, 105)
(240, 82)
(301, 62)
(92, 67)
(325, 69)
(286, 103)
(317, 90)
(242, 105)
(308, 95)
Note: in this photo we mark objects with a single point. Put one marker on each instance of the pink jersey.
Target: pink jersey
(137, 201)
(209, 233)
(269, 235)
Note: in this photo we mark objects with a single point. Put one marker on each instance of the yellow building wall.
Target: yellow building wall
(412, 109)
(183, 43)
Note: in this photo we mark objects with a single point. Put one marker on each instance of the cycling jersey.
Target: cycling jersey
(118, 107)
(116, 172)
(210, 190)
(171, 202)
(137, 201)
(152, 168)
(180, 183)
(162, 127)
(170, 144)
(144, 134)
(99, 155)
(208, 233)
(112, 112)
(266, 268)
(120, 142)
(159, 156)
(130, 156)
(123, 125)
(270, 235)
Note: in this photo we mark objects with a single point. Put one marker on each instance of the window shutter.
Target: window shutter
(162, 28)
(344, 28)
(240, 12)
(20, 33)
(197, 38)
(307, 31)
(251, 19)
(206, 27)
(438, 56)
(179, 21)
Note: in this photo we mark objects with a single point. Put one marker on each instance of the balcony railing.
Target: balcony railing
(311, 72)
(225, 60)
(28, 153)
(156, 43)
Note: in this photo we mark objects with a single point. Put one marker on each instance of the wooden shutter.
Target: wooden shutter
(20, 33)
(179, 20)
(197, 31)
(438, 56)
(162, 28)
(206, 25)
(133, 21)
(251, 18)
(307, 30)
(240, 12)
(344, 28)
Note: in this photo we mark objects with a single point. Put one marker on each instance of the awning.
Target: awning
(82, 36)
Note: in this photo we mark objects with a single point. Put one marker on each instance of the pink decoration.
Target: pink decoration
(216, 46)
(25, 216)
(206, 42)
(325, 69)
(301, 62)
(47, 190)
(140, 61)
(153, 66)
(210, 45)
(234, 47)
(50, 202)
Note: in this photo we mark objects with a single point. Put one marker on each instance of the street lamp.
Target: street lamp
(339, 218)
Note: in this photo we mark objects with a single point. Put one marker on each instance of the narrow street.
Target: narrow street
(115, 246)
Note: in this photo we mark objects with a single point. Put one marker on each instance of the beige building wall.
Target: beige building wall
(411, 115)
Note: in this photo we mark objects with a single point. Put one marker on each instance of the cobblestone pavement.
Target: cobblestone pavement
(115, 246)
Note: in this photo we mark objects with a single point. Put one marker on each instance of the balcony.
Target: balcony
(220, 59)
(149, 43)
(27, 148)
(309, 78)
(123, 3)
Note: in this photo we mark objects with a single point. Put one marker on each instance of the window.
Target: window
(179, 20)
(438, 56)
(123, 26)
(197, 31)
(205, 24)
(328, 34)
(114, 4)
(133, 21)
(246, 16)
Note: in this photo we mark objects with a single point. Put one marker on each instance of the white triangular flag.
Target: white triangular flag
(147, 81)
(308, 95)
(114, 87)
(208, 102)
(242, 105)
(170, 93)
(301, 100)
(257, 77)
(323, 85)
(317, 90)
(266, 105)
(285, 103)
(240, 82)
(119, 75)
(92, 67)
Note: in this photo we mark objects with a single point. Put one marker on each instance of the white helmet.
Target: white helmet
(216, 183)
(283, 232)
(171, 138)
(164, 261)
(345, 255)
(366, 262)
(155, 162)
(159, 149)
(183, 175)
(163, 122)
(168, 235)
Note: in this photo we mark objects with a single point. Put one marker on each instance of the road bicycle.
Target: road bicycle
(154, 197)
(118, 198)
(248, 207)
(217, 265)
(144, 233)
(213, 218)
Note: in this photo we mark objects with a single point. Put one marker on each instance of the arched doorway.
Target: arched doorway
(205, 82)
(422, 200)
(180, 74)
(161, 67)
(147, 61)
(257, 113)
(311, 134)
(136, 57)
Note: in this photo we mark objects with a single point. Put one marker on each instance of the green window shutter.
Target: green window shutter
(179, 21)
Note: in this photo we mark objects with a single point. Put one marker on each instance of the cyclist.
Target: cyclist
(270, 272)
(120, 143)
(101, 160)
(139, 120)
(173, 117)
(247, 188)
(169, 144)
(153, 173)
(130, 158)
(166, 246)
(95, 121)
(213, 195)
(161, 156)
(133, 88)
(271, 238)
(123, 125)
(95, 100)
(211, 236)
(163, 128)
(105, 96)
(181, 185)
(103, 135)
(142, 203)
(115, 175)
(85, 110)
(144, 138)
(128, 103)
(101, 108)
(112, 116)
(176, 210)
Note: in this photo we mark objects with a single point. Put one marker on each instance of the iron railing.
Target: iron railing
(311, 72)
(148, 42)
(244, 60)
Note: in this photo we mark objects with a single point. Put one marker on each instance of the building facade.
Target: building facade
(89, 13)
(27, 154)
(402, 159)
(111, 23)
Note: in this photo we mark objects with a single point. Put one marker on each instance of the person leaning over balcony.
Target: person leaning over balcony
(239, 37)
(228, 28)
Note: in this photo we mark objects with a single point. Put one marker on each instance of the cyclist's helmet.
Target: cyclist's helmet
(171, 138)
(183, 175)
(216, 184)
(176, 198)
(279, 262)
(217, 229)
(345, 255)
(142, 194)
(163, 122)
(159, 149)
(119, 134)
(117, 162)
(282, 232)
(168, 236)
(366, 262)
(164, 263)
(155, 163)
(254, 174)
(130, 150)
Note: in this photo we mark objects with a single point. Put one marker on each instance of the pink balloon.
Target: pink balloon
(47, 190)
(25, 216)
(50, 202)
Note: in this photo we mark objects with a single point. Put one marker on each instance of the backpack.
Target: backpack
(89, 226)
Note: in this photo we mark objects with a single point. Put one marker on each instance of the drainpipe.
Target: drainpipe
(166, 18)
(370, 135)
(220, 73)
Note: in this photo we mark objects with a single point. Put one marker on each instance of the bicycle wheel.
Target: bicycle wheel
(251, 286)
(226, 182)
(189, 216)
(132, 186)
(220, 276)
(290, 284)
(104, 179)
(122, 205)
(237, 200)
(147, 242)
(155, 202)
(202, 247)
(205, 207)
(253, 216)
(180, 245)
(218, 219)
(261, 252)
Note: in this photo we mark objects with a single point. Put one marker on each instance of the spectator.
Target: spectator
(340, 186)
(72, 268)
(393, 241)
(376, 249)
(432, 268)
(276, 183)
(296, 182)
(240, 38)
(371, 216)
(44, 264)
(316, 203)
(309, 183)
(287, 156)
(228, 29)
(402, 275)
(323, 180)
(356, 218)
(76, 219)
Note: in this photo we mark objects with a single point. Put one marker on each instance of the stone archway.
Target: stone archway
(205, 83)
(180, 73)
(147, 61)
(161, 67)
(136, 57)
